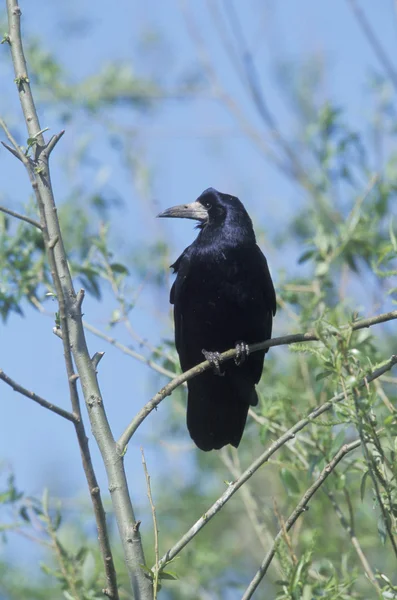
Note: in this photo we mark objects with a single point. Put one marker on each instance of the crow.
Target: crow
(223, 297)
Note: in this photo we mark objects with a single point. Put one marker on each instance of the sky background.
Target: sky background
(186, 145)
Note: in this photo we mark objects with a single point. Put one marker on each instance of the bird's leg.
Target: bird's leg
(242, 353)
(214, 360)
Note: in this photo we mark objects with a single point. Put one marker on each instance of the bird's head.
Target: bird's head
(212, 208)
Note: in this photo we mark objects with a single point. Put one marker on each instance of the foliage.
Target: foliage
(347, 256)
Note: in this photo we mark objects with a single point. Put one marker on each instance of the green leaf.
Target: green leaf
(148, 571)
(338, 441)
(81, 554)
(321, 269)
(392, 236)
(290, 482)
(382, 529)
(44, 500)
(119, 268)
(363, 484)
(89, 570)
(323, 375)
(24, 514)
(168, 575)
(56, 523)
(306, 255)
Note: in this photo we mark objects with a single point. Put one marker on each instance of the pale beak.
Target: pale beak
(195, 211)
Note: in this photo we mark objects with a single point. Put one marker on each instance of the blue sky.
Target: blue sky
(188, 146)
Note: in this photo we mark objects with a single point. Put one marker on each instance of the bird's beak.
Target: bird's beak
(195, 211)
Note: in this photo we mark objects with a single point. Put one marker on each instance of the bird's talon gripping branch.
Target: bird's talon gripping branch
(242, 353)
(214, 359)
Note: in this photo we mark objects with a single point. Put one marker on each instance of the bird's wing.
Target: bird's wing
(266, 280)
(181, 268)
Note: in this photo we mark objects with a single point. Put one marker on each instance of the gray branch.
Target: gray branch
(280, 341)
(300, 508)
(288, 435)
(36, 398)
(73, 335)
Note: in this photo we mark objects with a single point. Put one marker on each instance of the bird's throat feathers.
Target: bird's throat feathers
(235, 230)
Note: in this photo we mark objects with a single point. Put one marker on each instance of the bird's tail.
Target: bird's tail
(217, 409)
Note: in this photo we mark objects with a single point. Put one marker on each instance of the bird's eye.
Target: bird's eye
(207, 204)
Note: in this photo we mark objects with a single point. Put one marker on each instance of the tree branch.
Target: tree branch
(349, 528)
(264, 457)
(129, 351)
(255, 513)
(300, 508)
(155, 527)
(12, 213)
(74, 341)
(200, 368)
(374, 42)
(254, 86)
(372, 468)
(36, 398)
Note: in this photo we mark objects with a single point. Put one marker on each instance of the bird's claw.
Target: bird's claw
(242, 353)
(214, 360)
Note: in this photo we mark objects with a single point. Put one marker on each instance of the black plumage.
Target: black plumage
(223, 295)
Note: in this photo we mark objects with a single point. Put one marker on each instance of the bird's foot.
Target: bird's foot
(214, 360)
(242, 353)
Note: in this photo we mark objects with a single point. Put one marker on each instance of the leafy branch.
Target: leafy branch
(310, 336)
(264, 457)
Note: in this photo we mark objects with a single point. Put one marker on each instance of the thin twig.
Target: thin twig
(383, 396)
(67, 574)
(200, 368)
(12, 213)
(72, 330)
(349, 528)
(286, 536)
(127, 350)
(250, 503)
(120, 297)
(374, 41)
(36, 398)
(255, 88)
(372, 469)
(222, 94)
(300, 508)
(264, 457)
(10, 149)
(155, 528)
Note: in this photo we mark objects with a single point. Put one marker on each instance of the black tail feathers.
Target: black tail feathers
(217, 409)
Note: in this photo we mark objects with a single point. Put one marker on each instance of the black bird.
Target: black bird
(223, 296)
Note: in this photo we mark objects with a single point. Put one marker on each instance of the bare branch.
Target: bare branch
(127, 350)
(222, 94)
(96, 359)
(253, 81)
(36, 398)
(264, 457)
(14, 152)
(80, 299)
(74, 341)
(254, 511)
(373, 469)
(354, 540)
(300, 508)
(52, 143)
(200, 368)
(12, 213)
(374, 42)
(155, 528)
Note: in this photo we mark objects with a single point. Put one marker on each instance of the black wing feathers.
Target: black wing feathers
(223, 294)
